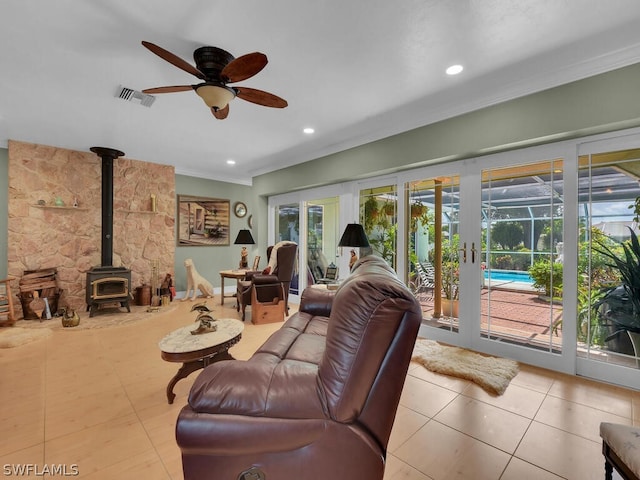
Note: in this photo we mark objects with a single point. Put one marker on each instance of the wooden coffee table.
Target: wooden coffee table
(198, 351)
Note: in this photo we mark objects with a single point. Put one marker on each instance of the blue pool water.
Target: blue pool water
(508, 276)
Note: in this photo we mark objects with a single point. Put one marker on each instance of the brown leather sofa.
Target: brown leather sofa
(318, 399)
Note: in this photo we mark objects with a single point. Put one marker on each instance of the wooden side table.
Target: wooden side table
(235, 274)
(198, 351)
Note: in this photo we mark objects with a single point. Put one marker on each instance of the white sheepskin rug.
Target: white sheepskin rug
(15, 336)
(491, 373)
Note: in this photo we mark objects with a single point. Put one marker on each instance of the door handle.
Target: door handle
(464, 252)
(473, 252)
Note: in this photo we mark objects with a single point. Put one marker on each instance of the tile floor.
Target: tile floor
(96, 398)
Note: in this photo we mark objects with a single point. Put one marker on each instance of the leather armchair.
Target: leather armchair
(318, 399)
(282, 275)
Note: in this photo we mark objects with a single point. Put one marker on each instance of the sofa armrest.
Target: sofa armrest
(317, 301)
(242, 435)
(265, 386)
(249, 274)
(263, 279)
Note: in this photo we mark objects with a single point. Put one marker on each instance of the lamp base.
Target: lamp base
(244, 254)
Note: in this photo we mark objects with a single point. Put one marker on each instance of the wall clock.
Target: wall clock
(240, 209)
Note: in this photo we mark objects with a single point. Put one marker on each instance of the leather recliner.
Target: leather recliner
(282, 275)
(318, 399)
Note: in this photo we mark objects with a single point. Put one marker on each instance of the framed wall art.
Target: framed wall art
(203, 221)
(240, 209)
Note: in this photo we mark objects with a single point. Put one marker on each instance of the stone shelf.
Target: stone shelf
(148, 212)
(58, 207)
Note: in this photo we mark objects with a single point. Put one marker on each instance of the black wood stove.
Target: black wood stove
(106, 283)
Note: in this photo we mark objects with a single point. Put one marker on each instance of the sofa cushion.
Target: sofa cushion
(283, 384)
(264, 386)
(302, 338)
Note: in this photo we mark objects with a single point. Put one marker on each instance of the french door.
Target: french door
(518, 288)
(487, 230)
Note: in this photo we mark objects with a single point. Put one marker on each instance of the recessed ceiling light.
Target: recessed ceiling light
(454, 69)
(231, 162)
(308, 130)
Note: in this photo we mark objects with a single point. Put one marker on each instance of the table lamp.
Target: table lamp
(244, 238)
(354, 236)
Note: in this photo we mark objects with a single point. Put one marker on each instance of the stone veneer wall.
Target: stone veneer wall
(69, 239)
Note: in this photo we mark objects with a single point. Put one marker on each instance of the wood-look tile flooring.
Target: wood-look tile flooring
(96, 398)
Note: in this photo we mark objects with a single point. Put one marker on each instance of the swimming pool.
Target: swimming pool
(509, 276)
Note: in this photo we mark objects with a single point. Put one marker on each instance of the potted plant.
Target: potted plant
(371, 212)
(618, 308)
(380, 227)
(389, 208)
(419, 216)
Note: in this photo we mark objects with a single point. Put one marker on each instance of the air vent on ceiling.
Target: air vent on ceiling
(131, 95)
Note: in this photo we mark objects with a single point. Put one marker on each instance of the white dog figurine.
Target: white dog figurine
(196, 281)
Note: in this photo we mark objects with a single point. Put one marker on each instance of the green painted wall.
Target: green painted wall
(4, 209)
(210, 260)
(597, 104)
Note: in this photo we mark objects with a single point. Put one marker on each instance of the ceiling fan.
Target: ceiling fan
(217, 67)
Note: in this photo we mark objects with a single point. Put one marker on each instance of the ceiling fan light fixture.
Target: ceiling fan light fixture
(215, 96)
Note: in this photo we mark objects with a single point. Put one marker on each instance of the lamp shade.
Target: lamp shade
(244, 238)
(354, 236)
(215, 96)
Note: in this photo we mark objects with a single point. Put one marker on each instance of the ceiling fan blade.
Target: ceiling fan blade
(260, 97)
(173, 59)
(220, 114)
(172, 89)
(244, 67)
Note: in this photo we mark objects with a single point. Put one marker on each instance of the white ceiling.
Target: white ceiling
(355, 70)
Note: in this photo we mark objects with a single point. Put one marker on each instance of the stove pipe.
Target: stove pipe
(108, 155)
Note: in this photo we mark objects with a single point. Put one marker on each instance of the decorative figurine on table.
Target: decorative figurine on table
(206, 324)
(201, 307)
(205, 318)
(243, 258)
(353, 259)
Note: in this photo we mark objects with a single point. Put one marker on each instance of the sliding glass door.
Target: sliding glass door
(432, 229)
(315, 225)
(287, 226)
(608, 343)
(323, 235)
